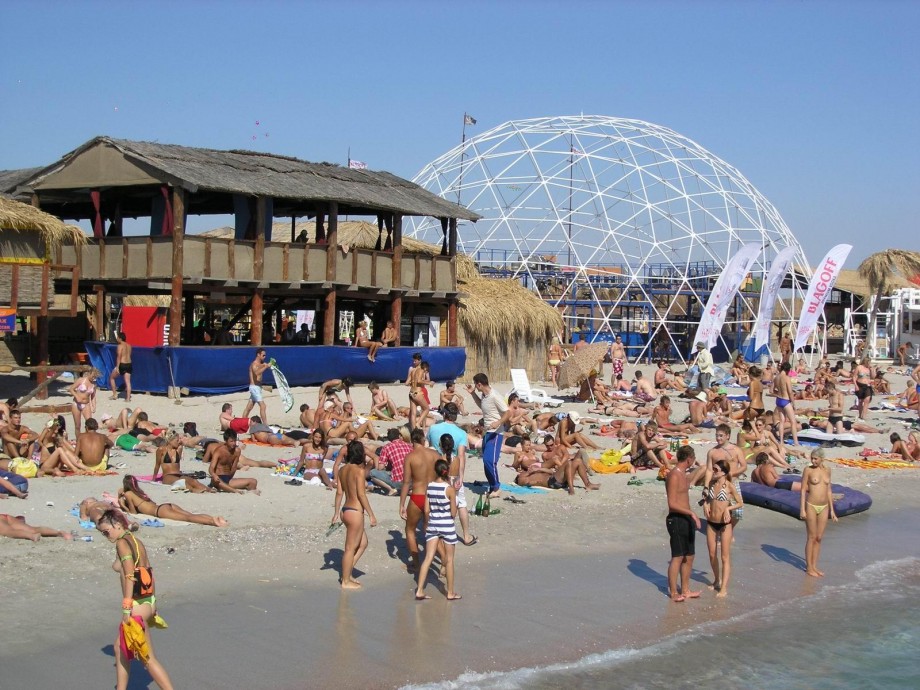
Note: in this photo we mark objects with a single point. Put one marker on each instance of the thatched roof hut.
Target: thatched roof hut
(27, 235)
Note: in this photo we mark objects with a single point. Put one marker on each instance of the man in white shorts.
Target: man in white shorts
(256, 369)
(458, 464)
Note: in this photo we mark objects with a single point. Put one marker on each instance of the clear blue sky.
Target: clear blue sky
(817, 103)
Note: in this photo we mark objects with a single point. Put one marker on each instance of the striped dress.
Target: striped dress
(440, 522)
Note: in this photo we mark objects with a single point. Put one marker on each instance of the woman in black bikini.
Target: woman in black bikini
(720, 499)
(168, 458)
(351, 483)
(132, 499)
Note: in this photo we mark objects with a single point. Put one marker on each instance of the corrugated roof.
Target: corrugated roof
(281, 177)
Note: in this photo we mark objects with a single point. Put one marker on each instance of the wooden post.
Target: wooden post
(452, 237)
(452, 324)
(189, 318)
(255, 332)
(100, 311)
(396, 306)
(258, 271)
(178, 237)
(332, 250)
(43, 331)
(329, 318)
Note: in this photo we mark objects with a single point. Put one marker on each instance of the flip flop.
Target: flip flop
(455, 598)
(514, 500)
(293, 482)
(471, 542)
(424, 598)
(120, 466)
(152, 522)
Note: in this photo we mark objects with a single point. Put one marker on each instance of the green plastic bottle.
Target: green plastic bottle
(478, 510)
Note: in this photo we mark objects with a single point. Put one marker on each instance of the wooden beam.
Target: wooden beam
(396, 317)
(42, 328)
(285, 259)
(14, 287)
(124, 257)
(178, 239)
(397, 254)
(258, 258)
(100, 246)
(100, 311)
(207, 257)
(149, 247)
(452, 335)
(354, 265)
(452, 237)
(329, 318)
(74, 290)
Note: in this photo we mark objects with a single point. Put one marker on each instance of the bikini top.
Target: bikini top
(721, 496)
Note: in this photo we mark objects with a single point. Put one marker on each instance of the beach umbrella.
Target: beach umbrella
(880, 269)
(582, 362)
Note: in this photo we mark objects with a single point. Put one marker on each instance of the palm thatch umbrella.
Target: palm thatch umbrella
(15, 215)
(579, 365)
(880, 270)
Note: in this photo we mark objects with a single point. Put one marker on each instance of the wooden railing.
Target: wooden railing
(232, 261)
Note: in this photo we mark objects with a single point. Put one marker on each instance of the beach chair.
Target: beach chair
(521, 386)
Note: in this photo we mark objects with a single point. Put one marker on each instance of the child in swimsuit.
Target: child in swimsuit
(440, 512)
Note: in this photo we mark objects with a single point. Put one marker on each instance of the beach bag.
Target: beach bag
(24, 467)
(663, 473)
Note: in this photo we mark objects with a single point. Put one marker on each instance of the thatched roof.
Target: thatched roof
(25, 218)
(122, 163)
(890, 269)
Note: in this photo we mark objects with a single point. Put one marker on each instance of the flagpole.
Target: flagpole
(349, 156)
(571, 165)
(462, 154)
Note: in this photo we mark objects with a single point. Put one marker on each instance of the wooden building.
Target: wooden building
(106, 180)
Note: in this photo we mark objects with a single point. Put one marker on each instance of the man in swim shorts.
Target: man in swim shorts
(256, 369)
(222, 460)
(93, 447)
(418, 472)
(682, 524)
(123, 366)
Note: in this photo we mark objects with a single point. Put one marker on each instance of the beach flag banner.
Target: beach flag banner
(284, 390)
(822, 282)
(357, 165)
(7, 321)
(781, 265)
(723, 293)
(468, 119)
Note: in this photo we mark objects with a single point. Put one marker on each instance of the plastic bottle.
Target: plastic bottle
(478, 510)
(86, 537)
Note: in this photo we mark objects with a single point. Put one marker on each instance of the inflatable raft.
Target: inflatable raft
(847, 501)
(826, 439)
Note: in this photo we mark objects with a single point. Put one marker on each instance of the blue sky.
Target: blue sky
(816, 103)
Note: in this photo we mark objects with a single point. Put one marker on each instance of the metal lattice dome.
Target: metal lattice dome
(621, 224)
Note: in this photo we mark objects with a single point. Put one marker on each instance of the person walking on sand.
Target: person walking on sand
(139, 602)
(785, 403)
(721, 498)
(351, 485)
(256, 369)
(704, 364)
(440, 512)
(681, 524)
(123, 366)
(418, 472)
(817, 504)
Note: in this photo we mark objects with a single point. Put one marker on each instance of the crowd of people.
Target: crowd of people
(422, 461)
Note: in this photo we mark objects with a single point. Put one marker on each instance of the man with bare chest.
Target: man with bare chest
(223, 459)
(418, 472)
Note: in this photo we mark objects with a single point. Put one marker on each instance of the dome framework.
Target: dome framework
(622, 225)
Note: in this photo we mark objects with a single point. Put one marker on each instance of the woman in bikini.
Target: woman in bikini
(132, 499)
(139, 600)
(526, 457)
(556, 357)
(351, 486)
(312, 453)
(83, 405)
(817, 505)
(168, 458)
(720, 498)
(362, 339)
(418, 396)
(908, 450)
(862, 375)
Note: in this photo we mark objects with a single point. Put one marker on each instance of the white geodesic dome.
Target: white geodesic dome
(621, 224)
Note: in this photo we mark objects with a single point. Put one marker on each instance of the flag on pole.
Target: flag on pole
(468, 119)
(771, 286)
(724, 291)
(818, 291)
(357, 165)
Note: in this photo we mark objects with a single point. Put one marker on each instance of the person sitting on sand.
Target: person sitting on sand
(335, 426)
(388, 474)
(17, 438)
(313, 452)
(559, 475)
(567, 435)
(515, 419)
(765, 473)
(451, 395)
(223, 459)
(739, 371)
(363, 339)
(721, 501)
(381, 405)
(93, 448)
(307, 416)
(645, 391)
(909, 453)
(648, 448)
(330, 388)
(132, 499)
(665, 379)
(16, 527)
(168, 458)
(662, 417)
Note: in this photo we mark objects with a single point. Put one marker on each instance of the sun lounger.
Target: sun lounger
(521, 385)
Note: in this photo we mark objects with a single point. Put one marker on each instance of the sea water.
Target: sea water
(857, 636)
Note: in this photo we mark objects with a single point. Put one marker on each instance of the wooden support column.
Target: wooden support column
(258, 269)
(452, 237)
(452, 334)
(178, 238)
(332, 254)
(100, 312)
(396, 305)
(189, 309)
(329, 318)
(42, 331)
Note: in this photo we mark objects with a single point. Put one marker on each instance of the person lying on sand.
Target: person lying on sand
(765, 473)
(132, 499)
(16, 527)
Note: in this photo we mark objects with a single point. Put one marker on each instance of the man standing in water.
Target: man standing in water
(681, 523)
(122, 366)
(256, 369)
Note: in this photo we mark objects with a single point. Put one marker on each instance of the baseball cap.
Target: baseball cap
(723, 390)
(700, 345)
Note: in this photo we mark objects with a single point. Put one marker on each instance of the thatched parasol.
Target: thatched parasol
(881, 269)
(20, 217)
(579, 365)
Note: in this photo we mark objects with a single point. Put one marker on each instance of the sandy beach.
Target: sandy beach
(258, 605)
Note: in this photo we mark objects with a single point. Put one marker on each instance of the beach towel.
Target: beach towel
(133, 640)
(284, 389)
(515, 489)
(876, 464)
(603, 468)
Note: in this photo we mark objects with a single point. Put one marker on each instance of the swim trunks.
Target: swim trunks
(781, 402)
(255, 393)
(418, 500)
(240, 425)
(863, 391)
(126, 442)
(124, 369)
(680, 529)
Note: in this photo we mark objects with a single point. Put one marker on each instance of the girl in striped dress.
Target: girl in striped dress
(440, 511)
